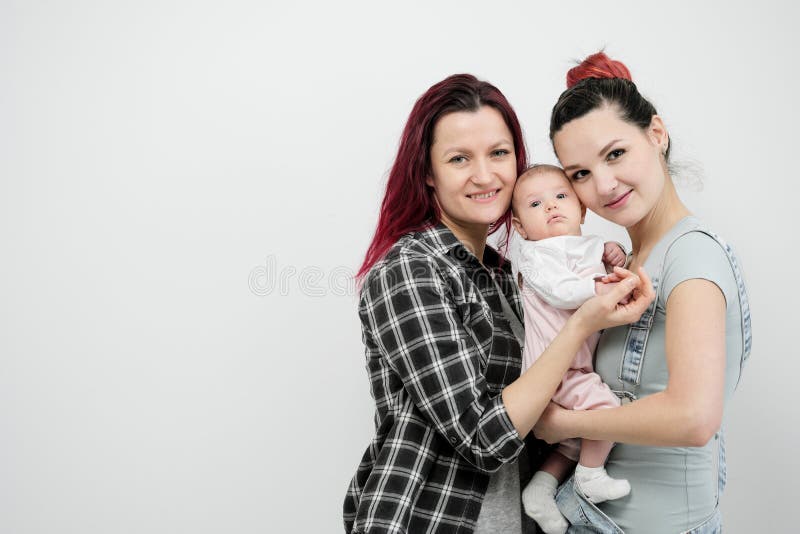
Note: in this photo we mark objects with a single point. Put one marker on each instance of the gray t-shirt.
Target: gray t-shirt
(672, 488)
(501, 507)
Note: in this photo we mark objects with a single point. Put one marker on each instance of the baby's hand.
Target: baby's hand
(613, 255)
(602, 288)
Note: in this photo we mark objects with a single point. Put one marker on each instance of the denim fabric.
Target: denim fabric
(712, 525)
(586, 517)
(583, 516)
(630, 368)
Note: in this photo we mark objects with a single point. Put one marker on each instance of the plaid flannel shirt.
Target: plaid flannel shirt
(439, 351)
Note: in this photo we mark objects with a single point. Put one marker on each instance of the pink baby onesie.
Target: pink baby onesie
(558, 275)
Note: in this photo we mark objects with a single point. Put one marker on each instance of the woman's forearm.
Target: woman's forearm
(526, 398)
(661, 419)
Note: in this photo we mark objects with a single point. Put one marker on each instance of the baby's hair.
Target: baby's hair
(532, 169)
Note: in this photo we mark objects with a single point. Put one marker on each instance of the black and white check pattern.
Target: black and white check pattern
(439, 351)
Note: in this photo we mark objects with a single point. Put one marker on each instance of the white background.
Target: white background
(163, 165)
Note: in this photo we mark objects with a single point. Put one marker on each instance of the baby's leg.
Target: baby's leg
(539, 496)
(586, 391)
(594, 453)
(558, 465)
(591, 475)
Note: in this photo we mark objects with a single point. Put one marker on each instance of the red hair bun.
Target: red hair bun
(597, 65)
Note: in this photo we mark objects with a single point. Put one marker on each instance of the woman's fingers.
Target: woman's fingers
(623, 304)
(646, 286)
(610, 278)
(623, 273)
(642, 295)
(623, 288)
(643, 285)
(630, 296)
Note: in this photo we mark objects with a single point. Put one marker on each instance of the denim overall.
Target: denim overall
(586, 517)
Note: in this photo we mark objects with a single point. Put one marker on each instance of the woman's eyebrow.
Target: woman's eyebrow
(501, 142)
(603, 150)
(455, 149)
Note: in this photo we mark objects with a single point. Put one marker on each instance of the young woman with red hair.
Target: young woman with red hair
(441, 320)
(679, 364)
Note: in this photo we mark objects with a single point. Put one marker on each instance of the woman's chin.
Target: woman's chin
(626, 218)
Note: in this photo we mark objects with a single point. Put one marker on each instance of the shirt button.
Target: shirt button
(453, 440)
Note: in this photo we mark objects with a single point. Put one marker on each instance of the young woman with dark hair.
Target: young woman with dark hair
(441, 320)
(679, 364)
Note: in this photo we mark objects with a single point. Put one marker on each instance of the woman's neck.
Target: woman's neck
(652, 227)
(472, 236)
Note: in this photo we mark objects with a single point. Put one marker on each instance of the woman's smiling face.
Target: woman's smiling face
(473, 167)
(617, 169)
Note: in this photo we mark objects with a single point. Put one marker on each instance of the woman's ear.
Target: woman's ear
(658, 134)
(429, 180)
(518, 227)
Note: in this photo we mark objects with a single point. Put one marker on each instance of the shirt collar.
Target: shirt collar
(441, 238)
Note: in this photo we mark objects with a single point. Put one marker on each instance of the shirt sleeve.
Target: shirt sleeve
(409, 311)
(545, 270)
(696, 255)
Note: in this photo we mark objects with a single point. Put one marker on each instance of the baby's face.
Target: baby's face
(545, 205)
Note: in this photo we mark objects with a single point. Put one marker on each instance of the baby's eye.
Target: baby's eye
(458, 159)
(535, 203)
(614, 154)
(561, 195)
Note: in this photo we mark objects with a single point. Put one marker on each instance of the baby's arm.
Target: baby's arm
(545, 270)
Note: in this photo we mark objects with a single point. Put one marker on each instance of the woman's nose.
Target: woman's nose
(483, 172)
(605, 182)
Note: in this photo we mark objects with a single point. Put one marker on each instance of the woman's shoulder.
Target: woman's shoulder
(410, 258)
(698, 253)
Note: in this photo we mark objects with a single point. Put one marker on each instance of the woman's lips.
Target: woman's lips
(619, 201)
(485, 196)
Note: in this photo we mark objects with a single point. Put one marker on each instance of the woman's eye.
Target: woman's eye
(614, 154)
(579, 175)
(458, 159)
(561, 196)
(500, 152)
(535, 203)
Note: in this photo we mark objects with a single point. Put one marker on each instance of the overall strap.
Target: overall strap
(630, 366)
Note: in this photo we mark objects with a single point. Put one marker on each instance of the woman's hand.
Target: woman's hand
(552, 424)
(606, 311)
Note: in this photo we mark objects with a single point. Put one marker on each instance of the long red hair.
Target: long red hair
(408, 204)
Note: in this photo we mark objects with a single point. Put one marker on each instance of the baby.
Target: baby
(558, 269)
